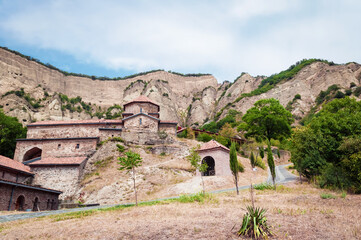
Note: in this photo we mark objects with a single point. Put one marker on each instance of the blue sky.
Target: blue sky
(118, 38)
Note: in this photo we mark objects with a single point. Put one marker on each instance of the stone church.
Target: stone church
(56, 152)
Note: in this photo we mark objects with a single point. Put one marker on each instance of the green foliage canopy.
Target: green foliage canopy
(318, 150)
(10, 130)
(268, 119)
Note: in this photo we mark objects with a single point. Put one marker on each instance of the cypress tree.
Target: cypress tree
(234, 165)
(253, 160)
(271, 164)
(261, 151)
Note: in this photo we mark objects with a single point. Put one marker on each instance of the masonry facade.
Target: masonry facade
(17, 191)
(57, 151)
(217, 158)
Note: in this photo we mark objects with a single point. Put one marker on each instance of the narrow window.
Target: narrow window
(140, 121)
(77, 146)
(3, 174)
(141, 109)
(59, 145)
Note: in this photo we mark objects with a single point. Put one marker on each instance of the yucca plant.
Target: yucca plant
(254, 223)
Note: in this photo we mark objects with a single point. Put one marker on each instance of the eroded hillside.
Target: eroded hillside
(32, 91)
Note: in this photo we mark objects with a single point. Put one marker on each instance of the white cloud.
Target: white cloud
(224, 38)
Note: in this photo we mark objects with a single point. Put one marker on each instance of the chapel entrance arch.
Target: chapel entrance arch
(35, 152)
(210, 163)
(36, 205)
(20, 203)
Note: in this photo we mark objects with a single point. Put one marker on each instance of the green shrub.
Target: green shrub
(120, 148)
(352, 84)
(162, 154)
(263, 186)
(254, 224)
(259, 163)
(204, 137)
(327, 196)
(357, 91)
(199, 197)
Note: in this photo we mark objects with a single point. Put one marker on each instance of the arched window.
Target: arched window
(140, 121)
(32, 153)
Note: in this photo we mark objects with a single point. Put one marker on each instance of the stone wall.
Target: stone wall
(168, 128)
(45, 198)
(147, 124)
(109, 133)
(221, 160)
(135, 108)
(56, 148)
(61, 178)
(70, 131)
(14, 176)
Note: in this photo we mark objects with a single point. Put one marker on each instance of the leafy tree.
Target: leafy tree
(204, 137)
(10, 130)
(234, 164)
(271, 164)
(130, 163)
(268, 119)
(195, 161)
(228, 131)
(261, 151)
(318, 150)
(253, 160)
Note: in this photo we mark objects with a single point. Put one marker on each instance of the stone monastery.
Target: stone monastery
(54, 154)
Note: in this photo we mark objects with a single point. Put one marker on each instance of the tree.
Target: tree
(227, 131)
(268, 119)
(253, 160)
(129, 163)
(261, 151)
(182, 116)
(10, 130)
(271, 164)
(318, 150)
(195, 161)
(234, 164)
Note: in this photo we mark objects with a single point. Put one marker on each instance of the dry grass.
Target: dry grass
(294, 212)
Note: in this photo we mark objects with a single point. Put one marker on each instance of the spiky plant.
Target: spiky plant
(254, 223)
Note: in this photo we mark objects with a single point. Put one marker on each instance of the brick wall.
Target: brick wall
(14, 176)
(29, 195)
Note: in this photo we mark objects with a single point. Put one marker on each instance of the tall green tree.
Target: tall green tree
(252, 160)
(234, 164)
(261, 151)
(10, 130)
(196, 161)
(271, 164)
(130, 163)
(268, 119)
(318, 149)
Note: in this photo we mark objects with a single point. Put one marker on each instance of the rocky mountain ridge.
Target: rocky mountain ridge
(31, 91)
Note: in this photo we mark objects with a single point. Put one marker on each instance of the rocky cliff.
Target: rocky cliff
(32, 91)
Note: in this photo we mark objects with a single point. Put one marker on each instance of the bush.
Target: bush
(327, 196)
(120, 148)
(263, 186)
(204, 137)
(199, 197)
(357, 91)
(254, 223)
(259, 163)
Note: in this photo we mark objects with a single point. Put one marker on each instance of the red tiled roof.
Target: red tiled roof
(213, 144)
(142, 98)
(10, 163)
(91, 121)
(59, 161)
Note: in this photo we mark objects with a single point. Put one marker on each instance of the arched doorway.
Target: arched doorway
(20, 203)
(32, 153)
(36, 205)
(210, 163)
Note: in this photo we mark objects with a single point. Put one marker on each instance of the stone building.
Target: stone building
(17, 192)
(57, 151)
(217, 158)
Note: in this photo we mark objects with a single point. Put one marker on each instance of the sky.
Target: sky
(116, 38)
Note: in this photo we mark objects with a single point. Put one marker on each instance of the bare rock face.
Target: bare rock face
(171, 91)
(199, 97)
(309, 82)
